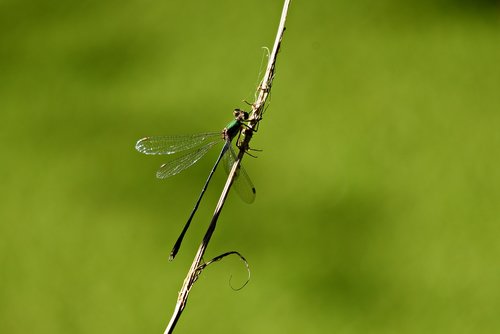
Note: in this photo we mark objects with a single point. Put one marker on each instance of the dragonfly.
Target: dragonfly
(191, 149)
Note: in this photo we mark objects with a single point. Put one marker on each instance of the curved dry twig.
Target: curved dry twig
(220, 257)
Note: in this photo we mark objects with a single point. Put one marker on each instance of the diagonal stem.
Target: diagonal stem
(256, 115)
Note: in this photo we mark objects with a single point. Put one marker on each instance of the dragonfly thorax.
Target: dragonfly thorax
(233, 128)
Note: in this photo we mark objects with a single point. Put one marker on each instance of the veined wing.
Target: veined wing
(242, 183)
(177, 165)
(174, 144)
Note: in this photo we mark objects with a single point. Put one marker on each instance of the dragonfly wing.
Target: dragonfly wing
(242, 183)
(176, 166)
(174, 144)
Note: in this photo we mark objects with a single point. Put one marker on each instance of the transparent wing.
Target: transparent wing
(242, 183)
(174, 144)
(177, 165)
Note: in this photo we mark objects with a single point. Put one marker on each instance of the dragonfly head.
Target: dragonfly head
(240, 115)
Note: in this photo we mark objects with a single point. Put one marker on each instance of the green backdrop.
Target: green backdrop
(377, 205)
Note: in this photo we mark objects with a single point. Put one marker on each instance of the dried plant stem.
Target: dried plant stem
(255, 116)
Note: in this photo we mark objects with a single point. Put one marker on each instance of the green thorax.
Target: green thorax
(231, 129)
(234, 127)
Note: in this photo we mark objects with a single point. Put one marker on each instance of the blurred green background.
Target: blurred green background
(378, 187)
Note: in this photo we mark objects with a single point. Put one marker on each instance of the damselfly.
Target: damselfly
(193, 148)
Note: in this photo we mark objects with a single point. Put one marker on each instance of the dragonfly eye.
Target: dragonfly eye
(240, 115)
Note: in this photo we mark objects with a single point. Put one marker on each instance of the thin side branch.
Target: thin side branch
(256, 115)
